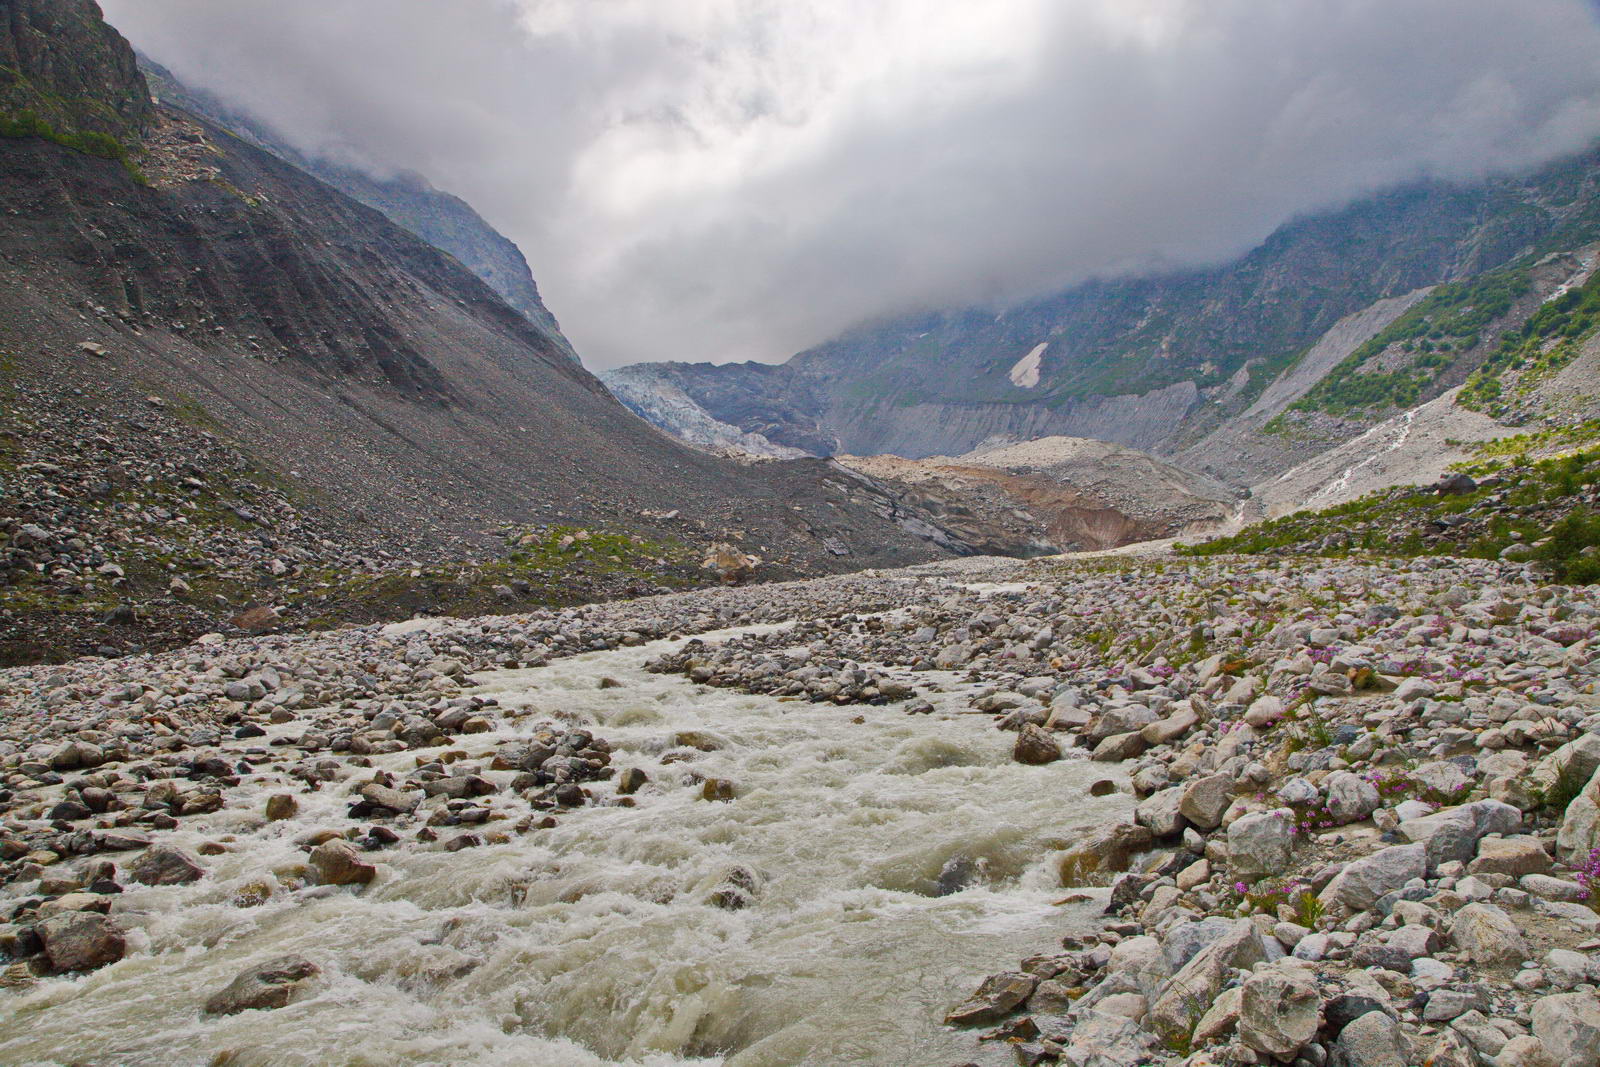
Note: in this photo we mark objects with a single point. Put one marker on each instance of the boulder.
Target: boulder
(1580, 826)
(1035, 747)
(1568, 1026)
(338, 863)
(1516, 856)
(1159, 812)
(1359, 885)
(1452, 1050)
(1136, 966)
(1119, 719)
(165, 865)
(729, 564)
(81, 940)
(282, 806)
(1488, 935)
(1220, 1018)
(998, 996)
(1261, 843)
(395, 800)
(1280, 1011)
(1576, 761)
(1178, 722)
(1205, 800)
(1184, 999)
(1351, 797)
(1184, 940)
(1372, 1040)
(267, 985)
(1119, 747)
(1454, 833)
(1105, 851)
(1566, 968)
(1103, 1039)
(1525, 1052)
(1264, 712)
(1446, 1004)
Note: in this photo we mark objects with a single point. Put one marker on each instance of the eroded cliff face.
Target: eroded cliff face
(1055, 494)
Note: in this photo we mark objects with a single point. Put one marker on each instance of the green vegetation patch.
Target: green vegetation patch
(1548, 341)
(24, 124)
(1540, 504)
(1428, 338)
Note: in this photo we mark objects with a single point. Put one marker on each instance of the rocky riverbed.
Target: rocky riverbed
(1105, 812)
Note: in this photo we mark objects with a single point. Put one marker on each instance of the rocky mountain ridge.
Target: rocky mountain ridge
(1183, 365)
(444, 221)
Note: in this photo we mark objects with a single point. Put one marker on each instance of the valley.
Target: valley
(1194, 667)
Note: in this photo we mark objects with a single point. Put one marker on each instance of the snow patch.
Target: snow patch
(1025, 375)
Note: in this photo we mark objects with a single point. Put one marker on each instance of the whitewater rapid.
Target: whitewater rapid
(597, 941)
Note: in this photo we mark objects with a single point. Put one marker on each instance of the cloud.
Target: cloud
(739, 179)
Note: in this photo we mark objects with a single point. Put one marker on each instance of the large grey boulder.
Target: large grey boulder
(1101, 1039)
(1516, 856)
(1577, 760)
(1261, 843)
(1525, 1051)
(1205, 800)
(1138, 965)
(1454, 833)
(1362, 882)
(1372, 1040)
(1159, 812)
(1183, 941)
(1119, 719)
(1280, 1011)
(1488, 935)
(1351, 797)
(1197, 984)
(1568, 1026)
(1580, 826)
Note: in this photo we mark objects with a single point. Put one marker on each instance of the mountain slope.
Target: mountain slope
(444, 221)
(1156, 362)
(213, 297)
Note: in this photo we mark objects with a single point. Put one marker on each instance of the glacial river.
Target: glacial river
(597, 941)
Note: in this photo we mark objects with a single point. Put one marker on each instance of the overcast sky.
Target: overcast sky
(740, 179)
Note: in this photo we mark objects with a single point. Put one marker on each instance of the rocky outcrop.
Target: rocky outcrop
(60, 62)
